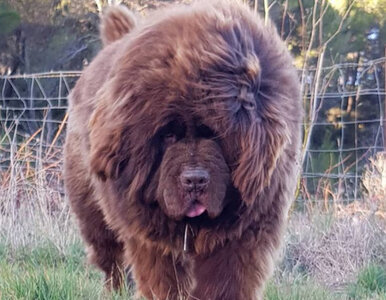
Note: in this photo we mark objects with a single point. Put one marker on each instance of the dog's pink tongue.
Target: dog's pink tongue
(195, 210)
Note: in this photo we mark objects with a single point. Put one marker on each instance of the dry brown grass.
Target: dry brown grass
(374, 182)
(32, 203)
(33, 210)
(333, 249)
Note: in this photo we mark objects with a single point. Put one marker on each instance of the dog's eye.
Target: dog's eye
(249, 105)
(170, 138)
(205, 132)
(172, 132)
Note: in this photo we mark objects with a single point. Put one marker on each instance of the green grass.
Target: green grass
(298, 289)
(45, 273)
(370, 284)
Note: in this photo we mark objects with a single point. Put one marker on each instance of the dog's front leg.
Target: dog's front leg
(158, 276)
(236, 271)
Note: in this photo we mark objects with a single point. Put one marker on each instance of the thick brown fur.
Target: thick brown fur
(195, 109)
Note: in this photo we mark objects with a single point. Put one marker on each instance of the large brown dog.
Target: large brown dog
(181, 151)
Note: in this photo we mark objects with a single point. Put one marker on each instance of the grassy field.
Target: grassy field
(45, 272)
(329, 254)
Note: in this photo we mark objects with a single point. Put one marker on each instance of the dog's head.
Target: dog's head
(197, 106)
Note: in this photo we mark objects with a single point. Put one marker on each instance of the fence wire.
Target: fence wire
(344, 126)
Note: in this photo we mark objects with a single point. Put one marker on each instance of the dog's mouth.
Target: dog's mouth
(195, 209)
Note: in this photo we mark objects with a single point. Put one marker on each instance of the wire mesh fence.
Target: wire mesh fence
(344, 127)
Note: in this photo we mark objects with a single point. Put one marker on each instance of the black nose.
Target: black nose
(194, 179)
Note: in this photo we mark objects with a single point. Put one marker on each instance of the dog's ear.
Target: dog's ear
(260, 149)
(109, 143)
(116, 22)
